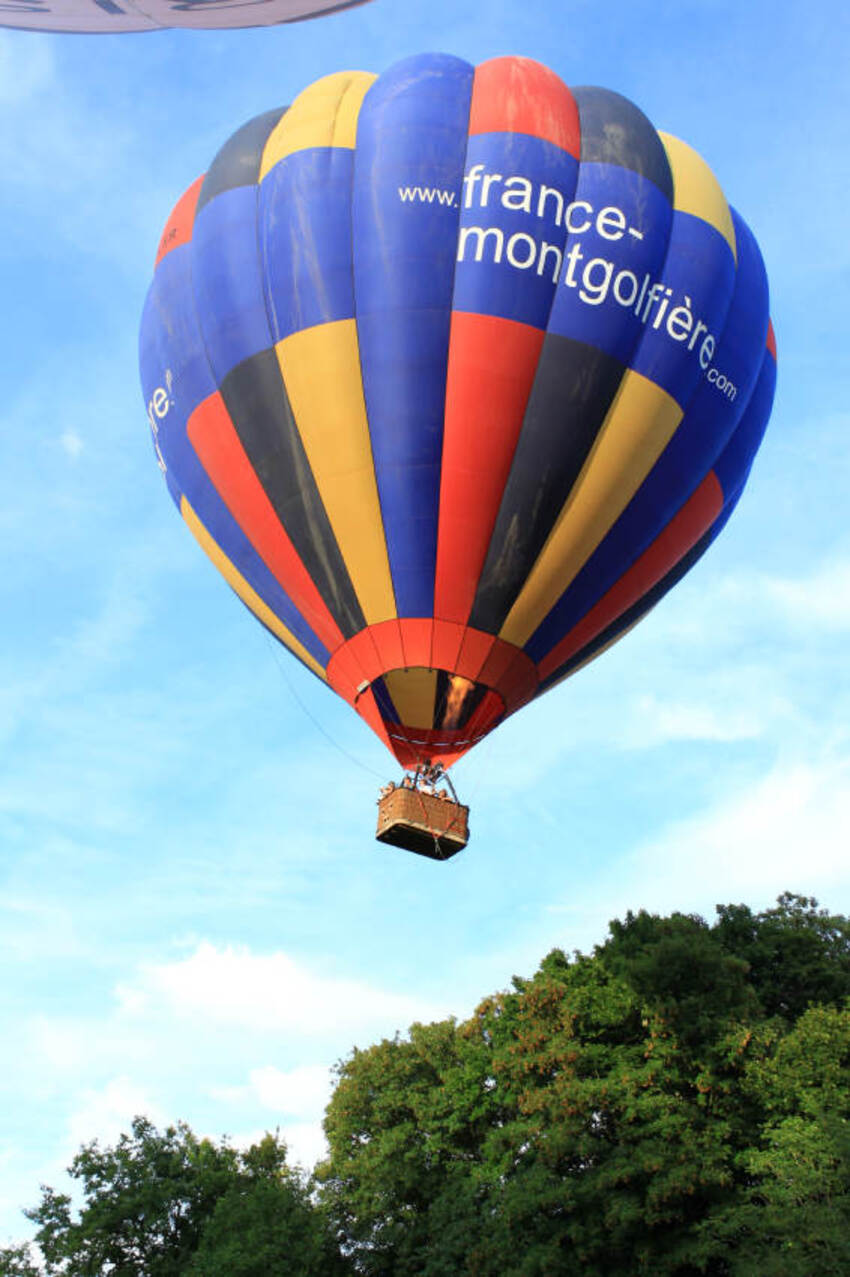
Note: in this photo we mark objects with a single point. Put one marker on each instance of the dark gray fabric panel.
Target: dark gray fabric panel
(615, 131)
(573, 389)
(238, 161)
(259, 408)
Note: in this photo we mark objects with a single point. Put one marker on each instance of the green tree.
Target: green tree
(265, 1225)
(616, 1114)
(161, 1203)
(623, 1136)
(563, 1125)
(406, 1124)
(17, 1261)
(792, 1217)
(797, 954)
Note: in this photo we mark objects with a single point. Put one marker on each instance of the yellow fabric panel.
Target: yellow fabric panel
(320, 367)
(413, 693)
(348, 111)
(248, 595)
(637, 428)
(696, 190)
(325, 114)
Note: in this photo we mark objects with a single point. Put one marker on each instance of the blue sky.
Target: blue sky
(195, 921)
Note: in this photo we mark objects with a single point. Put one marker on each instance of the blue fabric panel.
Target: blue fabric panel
(227, 280)
(172, 356)
(705, 430)
(700, 268)
(733, 464)
(173, 488)
(305, 239)
(412, 132)
(603, 278)
(516, 275)
(387, 709)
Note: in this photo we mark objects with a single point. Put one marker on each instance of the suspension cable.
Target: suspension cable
(352, 758)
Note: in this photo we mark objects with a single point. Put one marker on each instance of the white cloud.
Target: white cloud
(274, 993)
(187, 1028)
(737, 607)
(57, 1053)
(301, 1092)
(9, 1203)
(653, 721)
(105, 1113)
(788, 831)
(305, 1141)
(176, 1034)
(820, 601)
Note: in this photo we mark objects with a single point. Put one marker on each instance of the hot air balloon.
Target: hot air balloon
(146, 15)
(453, 372)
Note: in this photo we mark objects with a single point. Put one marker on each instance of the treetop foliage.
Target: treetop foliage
(643, 1109)
(167, 1204)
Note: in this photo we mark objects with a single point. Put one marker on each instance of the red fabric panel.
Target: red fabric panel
(409, 748)
(518, 95)
(366, 654)
(352, 665)
(449, 756)
(681, 533)
(491, 368)
(445, 645)
(419, 744)
(386, 636)
(474, 650)
(416, 640)
(771, 338)
(485, 717)
(498, 663)
(178, 228)
(367, 708)
(214, 438)
(408, 755)
(344, 674)
(519, 683)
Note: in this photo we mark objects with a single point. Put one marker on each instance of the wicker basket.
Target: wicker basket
(420, 822)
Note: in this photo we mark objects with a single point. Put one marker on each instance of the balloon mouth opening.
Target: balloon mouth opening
(434, 714)
(429, 688)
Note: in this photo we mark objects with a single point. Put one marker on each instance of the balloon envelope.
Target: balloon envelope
(453, 373)
(145, 15)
